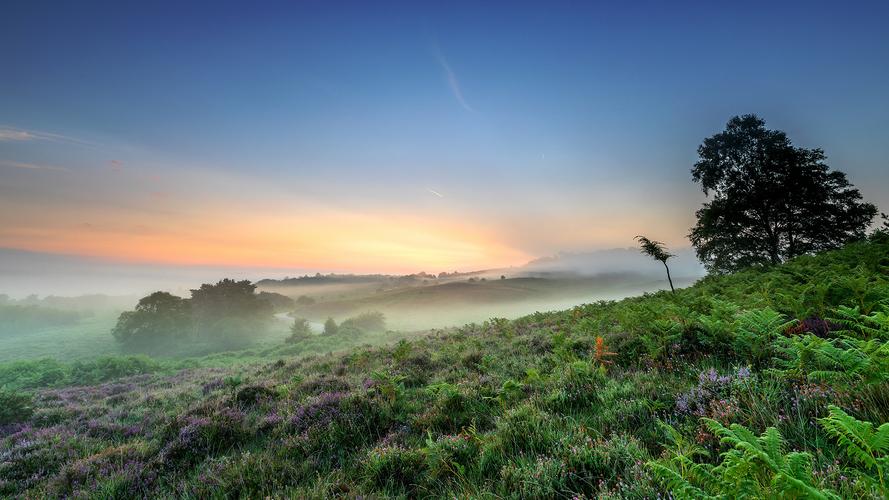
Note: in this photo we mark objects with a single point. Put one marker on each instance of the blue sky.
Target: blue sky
(495, 133)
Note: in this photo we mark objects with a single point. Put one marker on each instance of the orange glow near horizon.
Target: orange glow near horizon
(342, 241)
(200, 218)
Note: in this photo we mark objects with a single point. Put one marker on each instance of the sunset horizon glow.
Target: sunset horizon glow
(411, 138)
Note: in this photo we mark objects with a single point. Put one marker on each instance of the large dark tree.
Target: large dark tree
(157, 318)
(769, 200)
(229, 308)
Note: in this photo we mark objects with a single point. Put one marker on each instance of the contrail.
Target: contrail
(32, 166)
(436, 193)
(18, 134)
(452, 81)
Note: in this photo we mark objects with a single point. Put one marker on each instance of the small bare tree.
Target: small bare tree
(657, 251)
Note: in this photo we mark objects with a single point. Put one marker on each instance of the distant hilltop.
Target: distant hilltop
(612, 261)
(615, 261)
(351, 279)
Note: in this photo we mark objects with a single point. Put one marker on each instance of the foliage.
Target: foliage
(844, 362)
(861, 442)
(756, 333)
(299, 330)
(752, 467)
(157, 317)
(372, 321)
(51, 373)
(564, 404)
(771, 201)
(228, 314)
(18, 319)
(657, 251)
(330, 327)
(14, 407)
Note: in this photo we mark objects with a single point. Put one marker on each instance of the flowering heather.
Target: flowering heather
(713, 394)
(318, 412)
(213, 385)
(507, 409)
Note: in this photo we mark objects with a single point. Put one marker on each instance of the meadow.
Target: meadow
(769, 382)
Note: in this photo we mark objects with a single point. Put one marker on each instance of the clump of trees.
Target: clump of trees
(368, 322)
(224, 315)
(769, 200)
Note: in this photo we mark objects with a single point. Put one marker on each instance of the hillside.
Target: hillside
(756, 383)
(436, 305)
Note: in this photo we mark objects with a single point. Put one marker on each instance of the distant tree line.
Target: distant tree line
(17, 319)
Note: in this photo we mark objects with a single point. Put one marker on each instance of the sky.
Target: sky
(405, 137)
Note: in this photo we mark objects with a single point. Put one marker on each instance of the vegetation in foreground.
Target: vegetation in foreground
(764, 383)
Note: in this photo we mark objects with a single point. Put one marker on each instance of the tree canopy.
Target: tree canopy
(657, 251)
(227, 314)
(770, 200)
(158, 316)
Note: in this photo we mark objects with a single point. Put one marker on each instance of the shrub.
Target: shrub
(330, 327)
(394, 468)
(14, 407)
(198, 437)
(255, 394)
(373, 321)
(752, 467)
(300, 330)
(756, 333)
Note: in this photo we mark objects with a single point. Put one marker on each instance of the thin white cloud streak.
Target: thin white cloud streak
(32, 166)
(436, 193)
(453, 82)
(13, 134)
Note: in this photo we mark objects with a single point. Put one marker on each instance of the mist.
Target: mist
(67, 307)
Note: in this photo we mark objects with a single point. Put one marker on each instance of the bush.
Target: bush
(14, 407)
(330, 327)
(300, 330)
(373, 321)
(394, 468)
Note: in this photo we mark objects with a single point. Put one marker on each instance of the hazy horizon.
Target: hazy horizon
(24, 273)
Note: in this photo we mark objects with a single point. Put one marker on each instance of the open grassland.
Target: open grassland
(757, 384)
(87, 338)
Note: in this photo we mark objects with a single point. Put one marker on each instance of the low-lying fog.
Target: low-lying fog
(47, 298)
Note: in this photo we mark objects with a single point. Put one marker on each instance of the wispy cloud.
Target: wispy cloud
(31, 166)
(436, 193)
(14, 134)
(453, 82)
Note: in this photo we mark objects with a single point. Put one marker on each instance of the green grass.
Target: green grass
(88, 338)
(767, 383)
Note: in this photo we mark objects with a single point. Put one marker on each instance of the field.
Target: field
(766, 383)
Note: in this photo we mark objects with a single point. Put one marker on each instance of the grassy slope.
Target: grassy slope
(518, 408)
(86, 339)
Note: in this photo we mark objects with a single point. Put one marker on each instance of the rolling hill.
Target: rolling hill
(760, 383)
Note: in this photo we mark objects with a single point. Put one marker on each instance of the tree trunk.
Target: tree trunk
(668, 277)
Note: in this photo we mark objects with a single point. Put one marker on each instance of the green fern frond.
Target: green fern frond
(859, 440)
